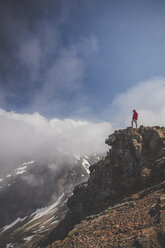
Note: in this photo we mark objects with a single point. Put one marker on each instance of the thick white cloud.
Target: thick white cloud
(32, 136)
(25, 137)
(148, 98)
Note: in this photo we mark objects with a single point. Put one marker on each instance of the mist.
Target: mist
(26, 137)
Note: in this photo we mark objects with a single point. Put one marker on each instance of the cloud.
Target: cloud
(147, 98)
(62, 84)
(32, 137)
(43, 63)
(27, 137)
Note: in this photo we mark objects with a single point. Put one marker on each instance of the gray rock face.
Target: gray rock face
(135, 161)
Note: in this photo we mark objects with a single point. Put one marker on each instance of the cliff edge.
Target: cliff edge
(134, 163)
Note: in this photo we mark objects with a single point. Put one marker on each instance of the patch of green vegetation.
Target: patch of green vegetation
(27, 226)
(97, 232)
(19, 235)
(72, 233)
(16, 237)
(107, 211)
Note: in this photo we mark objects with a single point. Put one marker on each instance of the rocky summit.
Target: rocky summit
(123, 202)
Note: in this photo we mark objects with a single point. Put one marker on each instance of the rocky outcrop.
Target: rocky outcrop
(135, 161)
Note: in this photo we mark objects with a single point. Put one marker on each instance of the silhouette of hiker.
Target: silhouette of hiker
(134, 118)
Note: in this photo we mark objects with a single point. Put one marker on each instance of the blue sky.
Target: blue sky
(72, 71)
(70, 59)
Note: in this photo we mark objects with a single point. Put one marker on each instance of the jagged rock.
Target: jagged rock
(135, 161)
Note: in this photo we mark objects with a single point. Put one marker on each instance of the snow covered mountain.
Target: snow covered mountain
(33, 197)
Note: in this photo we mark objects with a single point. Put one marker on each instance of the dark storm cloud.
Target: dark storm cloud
(40, 70)
(29, 37)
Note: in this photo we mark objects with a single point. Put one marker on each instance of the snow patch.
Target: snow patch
(56, 221)
(9, 175)
(9, 245)
(1, 180)
(28, 238)
(47, 210)
(27, 163)
(49, 220)
(86, 165)
(21, 170)
(86, 157)
(13, 224)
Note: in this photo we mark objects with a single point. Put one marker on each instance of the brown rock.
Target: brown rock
(134, 163)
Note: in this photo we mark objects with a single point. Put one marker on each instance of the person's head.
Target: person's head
(134, 110)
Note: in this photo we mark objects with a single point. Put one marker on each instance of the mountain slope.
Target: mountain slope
(137, 222)
(135, 163)
(33, 197)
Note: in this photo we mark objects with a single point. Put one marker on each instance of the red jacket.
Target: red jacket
(135, 115)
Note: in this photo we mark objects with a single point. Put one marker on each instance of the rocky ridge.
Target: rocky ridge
(33, 197)
(134, 163)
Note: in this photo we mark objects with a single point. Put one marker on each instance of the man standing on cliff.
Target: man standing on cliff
(134, 118)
